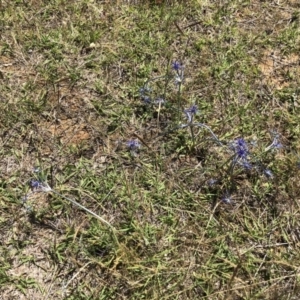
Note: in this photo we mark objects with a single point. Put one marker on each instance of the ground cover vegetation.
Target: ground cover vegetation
(149, 149)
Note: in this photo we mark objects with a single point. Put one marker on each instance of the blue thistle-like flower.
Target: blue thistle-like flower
(34, 184)
(176, 66)
(39, 186)
(241, 152)
(190, 112)
(193, 109)
(133, 145)
(276, 144)
(241, 148)
(146, 99)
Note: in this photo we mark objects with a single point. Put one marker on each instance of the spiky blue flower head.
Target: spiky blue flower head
(39, 186)
(276, 144)
(176, 66)
(133, 145)
(240, 148)
(190, 112)
(146, 99)
(34, 184)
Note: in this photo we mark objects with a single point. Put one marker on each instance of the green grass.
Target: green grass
(70, 75)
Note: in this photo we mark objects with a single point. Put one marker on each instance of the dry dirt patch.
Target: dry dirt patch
(275, 68)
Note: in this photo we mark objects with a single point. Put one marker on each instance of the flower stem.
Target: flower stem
(90, 212)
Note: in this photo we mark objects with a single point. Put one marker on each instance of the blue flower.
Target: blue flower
(146, 99)
(193, 109)
(176, 66)
(190, 112)
(133, 145)
(275, 143)
(39, 186)
(241, 152)
(241, 148)
(34, 184)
